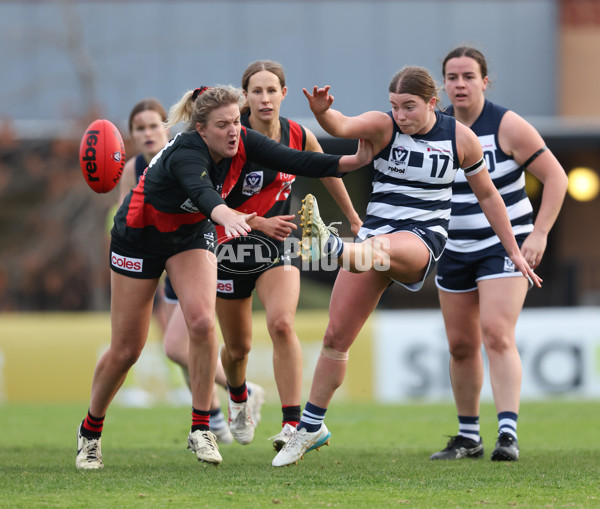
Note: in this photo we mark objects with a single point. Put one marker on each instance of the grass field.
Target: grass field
(379, 457)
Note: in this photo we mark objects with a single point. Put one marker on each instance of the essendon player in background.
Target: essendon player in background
(260, 261)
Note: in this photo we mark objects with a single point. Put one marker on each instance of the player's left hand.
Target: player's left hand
(320, 100)
(534, 247)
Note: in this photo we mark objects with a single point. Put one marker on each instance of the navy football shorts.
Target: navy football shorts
(435, 244)
(460, 272)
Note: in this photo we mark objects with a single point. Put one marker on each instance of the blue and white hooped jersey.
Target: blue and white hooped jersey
(412, 184)
(469, 229)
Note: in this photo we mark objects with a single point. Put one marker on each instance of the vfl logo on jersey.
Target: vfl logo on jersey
(225, 285)
(188, 206)
(398, 157)
(253, 183)
(509, 266)
(125, 263)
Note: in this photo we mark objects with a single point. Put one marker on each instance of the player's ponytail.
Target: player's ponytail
(195, 105)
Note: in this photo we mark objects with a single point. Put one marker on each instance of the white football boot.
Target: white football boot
(89, 454)
(240, 422)
(283, 436)
(204, 444)
(300, 443)
(315, 235)
(256, 399)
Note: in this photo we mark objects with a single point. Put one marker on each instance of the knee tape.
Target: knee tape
(330, 353)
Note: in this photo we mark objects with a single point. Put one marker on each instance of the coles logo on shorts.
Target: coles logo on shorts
(124, 263)
(225, 285)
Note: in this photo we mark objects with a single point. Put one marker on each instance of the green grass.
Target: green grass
(379, 457)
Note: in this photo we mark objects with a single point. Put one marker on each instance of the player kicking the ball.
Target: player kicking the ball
(418, 154)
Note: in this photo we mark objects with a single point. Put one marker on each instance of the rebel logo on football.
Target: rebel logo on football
(89, 155)
(102, 155)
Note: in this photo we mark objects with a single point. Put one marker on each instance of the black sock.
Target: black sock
(291, 414)
(238, 394)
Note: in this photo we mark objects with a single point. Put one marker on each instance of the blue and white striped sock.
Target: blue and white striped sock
(312, 418)
(507, 423)
(217, 419)
(468, 427)
(334, 246)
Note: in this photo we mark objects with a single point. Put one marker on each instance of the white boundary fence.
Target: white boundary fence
(559, 347)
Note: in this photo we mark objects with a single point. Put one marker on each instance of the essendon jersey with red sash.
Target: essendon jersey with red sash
(262, 190)
(178, 191)
(182, 185)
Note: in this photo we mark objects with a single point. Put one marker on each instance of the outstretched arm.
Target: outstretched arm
(274, 155)
(373, 126)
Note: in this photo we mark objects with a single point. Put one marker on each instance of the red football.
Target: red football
(102, 155)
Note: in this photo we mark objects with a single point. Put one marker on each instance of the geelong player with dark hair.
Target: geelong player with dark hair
(481, 292)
